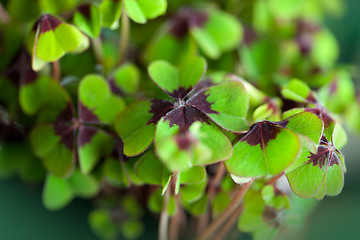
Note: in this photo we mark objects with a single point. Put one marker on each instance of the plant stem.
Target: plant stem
(124, 39)
(164, 217)
(213, 227)
(97, 47)
(175, 221)
(274, 179)
(4, 16)
(56, 71)
(215, 182)
(229, 224)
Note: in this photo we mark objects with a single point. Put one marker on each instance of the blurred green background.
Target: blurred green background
(22, 216)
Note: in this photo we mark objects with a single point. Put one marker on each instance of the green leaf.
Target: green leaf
(83, 185)
(298, 91)
(131, 229)
(286, 10)
(338, 94)
(44, 92)
(88, 19)
(57, 157)
(252, 215)
(151, 170)
(134, 11)
(153, 9)
(177, 50)
(171, 207)
(309, 177)
(177, 82)
(127, 77)
(325, 50)
(156, 201)
(206, 43)
(53, 39)
(192, 175)
(228, 103)
(339, 136)
(133, 128)
(141, 10)
(57, 193)
(267, 149)
(23, 10)
(111, 12)
(225, 29)
(56, 6)
(312, 174)
(192, 192)
(334, 180)
(211, 145)
(309, 127)
(95, 94)
(114, 173)
(198, 207)
(91, 150)
(102, 224)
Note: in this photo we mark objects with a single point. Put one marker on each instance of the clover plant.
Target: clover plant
(230, 113)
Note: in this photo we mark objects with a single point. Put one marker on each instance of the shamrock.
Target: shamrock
(138, 10)
(317, 174)
(298, 91)
(62, 129)
(52, 38)
(185, 129)
(214, 32)
(268, 148)
(88, 18)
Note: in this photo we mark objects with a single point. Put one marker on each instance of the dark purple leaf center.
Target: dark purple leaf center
(46, 23)
(326, 155)
(66, 125)
(185, 20)
(183, 112)
(84, 9)
(262, 132)
(322, 114)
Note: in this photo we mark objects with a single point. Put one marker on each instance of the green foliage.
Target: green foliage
(231, 95)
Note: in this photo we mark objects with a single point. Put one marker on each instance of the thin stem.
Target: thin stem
(4, 16)
(213, 227)
(215, 182)
(164, 217)
(229, 224)
(175, 221)
(97, 47)
(124, 38)
(274, 179)
(56, 71)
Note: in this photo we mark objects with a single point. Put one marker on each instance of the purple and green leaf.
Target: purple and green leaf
(267, 149)
(317, 174)
(52, 39)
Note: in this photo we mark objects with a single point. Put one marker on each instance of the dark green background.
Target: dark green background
(22, 216)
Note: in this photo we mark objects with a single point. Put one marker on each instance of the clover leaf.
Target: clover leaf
(270, 147)
(225, 103)
(214, 32)
(141, 10)
(56, 143)
(317, 174)
(259, 217)
(52, 39)
(88, 19)
(138, 10)
(59, 192)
